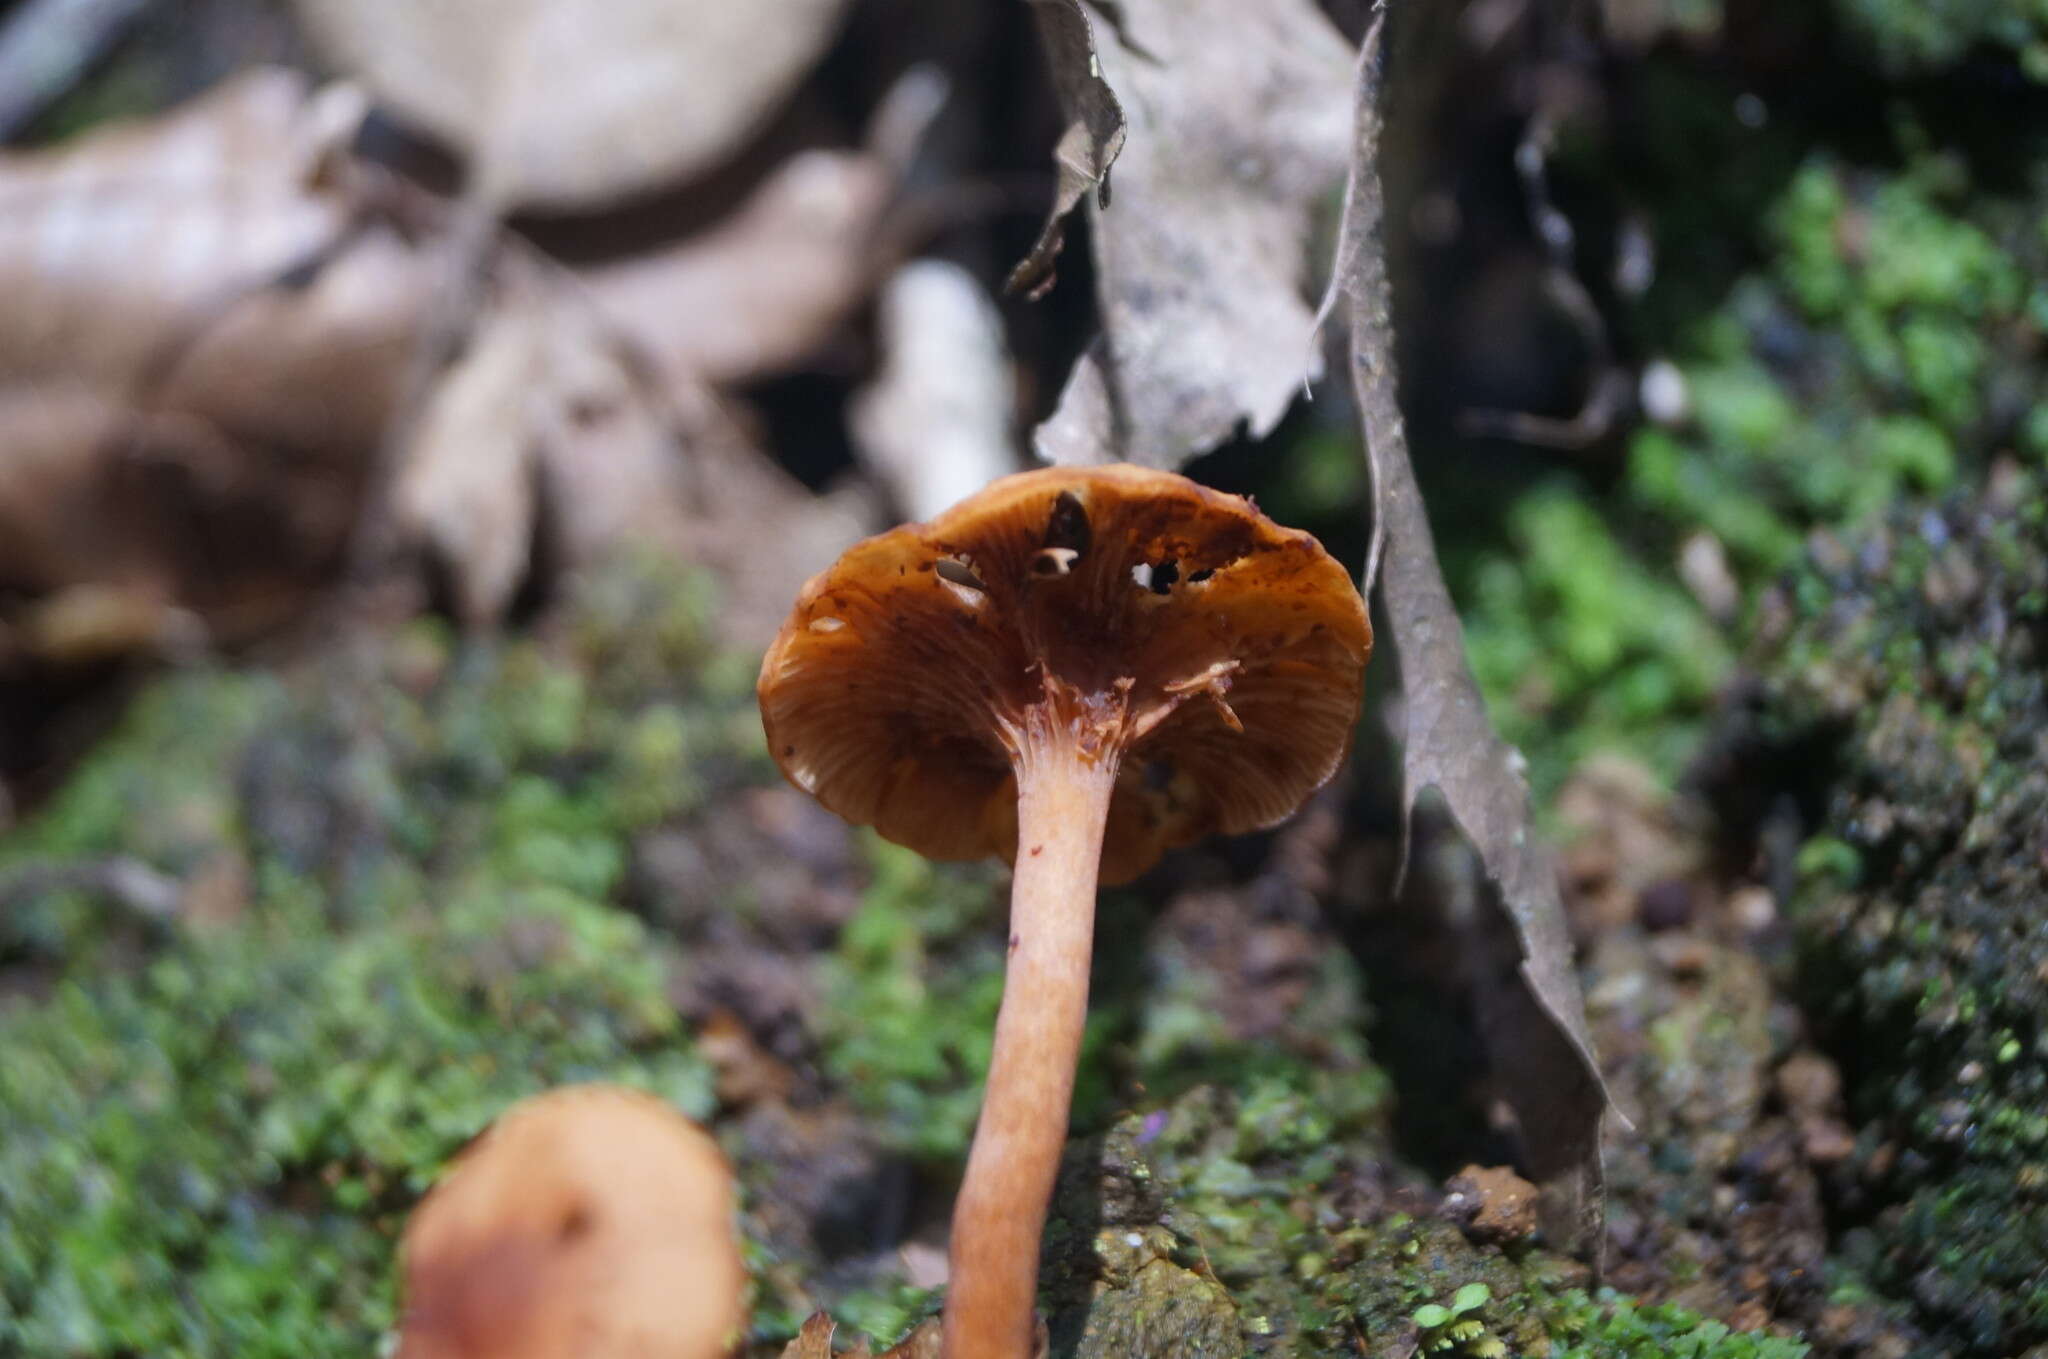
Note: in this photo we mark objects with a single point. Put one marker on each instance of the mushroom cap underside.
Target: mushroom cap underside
(590, 1221)
(1224, 653)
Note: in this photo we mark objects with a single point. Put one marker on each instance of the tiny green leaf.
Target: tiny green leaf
(1470, 1296)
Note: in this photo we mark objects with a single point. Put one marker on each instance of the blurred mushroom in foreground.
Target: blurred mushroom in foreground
(1076, 669)
(591, 1222)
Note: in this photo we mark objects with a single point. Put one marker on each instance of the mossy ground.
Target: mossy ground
(1914, 664)
(418, 881)
(1304, 1229)
(396, 918)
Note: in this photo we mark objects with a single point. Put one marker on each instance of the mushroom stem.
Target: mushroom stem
(1062, 805)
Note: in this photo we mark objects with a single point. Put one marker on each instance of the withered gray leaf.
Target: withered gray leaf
(1238, 128)
(1533, 1015)
(1087, 148)
(563, 104)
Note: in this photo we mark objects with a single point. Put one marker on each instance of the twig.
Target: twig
(130, 883)
(1609, 394)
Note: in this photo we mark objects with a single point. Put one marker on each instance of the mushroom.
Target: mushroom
(1075, 669)
(591, 1222)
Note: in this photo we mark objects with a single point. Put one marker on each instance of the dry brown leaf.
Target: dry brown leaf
(209, 349)
(541, 417)
(769, 285)
(158, 507)
(1532, 1012)
(308, 368)
(935, 423)
(765, 287)
(213, 339)
(923, 1343)
(53, 492)
(758, 528)
(814, 1341)
(226, 482)
(110, 243)
(465, 488)
(84, 625)
(564, 104)
(176, 422)
(1238, 129)
(615, 383)
(614, 445)
(545, 424)
(1093, 137)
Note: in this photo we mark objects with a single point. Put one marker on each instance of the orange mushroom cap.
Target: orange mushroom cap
(1220, 654)
(592, 1222)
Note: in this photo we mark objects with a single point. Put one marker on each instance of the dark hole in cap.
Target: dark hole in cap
(1068, 526)
(1164, 575)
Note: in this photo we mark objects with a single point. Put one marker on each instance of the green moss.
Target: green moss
(1881, 298)
(1160, 1308)
(1581, 648)
(1915, 35)
(214, 1130)
(1881, 350)
(1584, 1327)
(1849, 374)
(1924, 952)
(1169, 1204)
(185, 1143)
(911, 992)
(890, 1310)
(161, 783)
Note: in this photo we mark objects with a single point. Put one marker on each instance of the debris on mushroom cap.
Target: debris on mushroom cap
(591, 1222)
(1217, 655)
